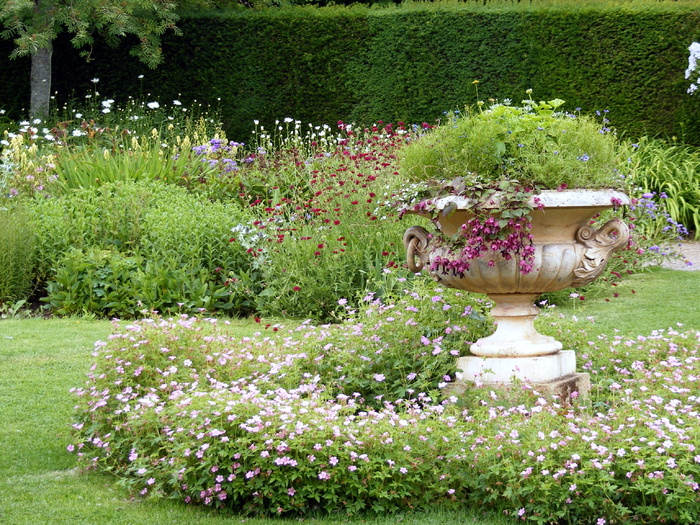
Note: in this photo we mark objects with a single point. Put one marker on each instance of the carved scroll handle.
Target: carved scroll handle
(416, 240)
(599, 244)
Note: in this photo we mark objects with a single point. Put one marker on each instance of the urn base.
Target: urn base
(504, 370)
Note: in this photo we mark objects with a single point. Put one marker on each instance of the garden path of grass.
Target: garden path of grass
(41, 359)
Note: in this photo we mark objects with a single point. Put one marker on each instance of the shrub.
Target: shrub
(123, 247)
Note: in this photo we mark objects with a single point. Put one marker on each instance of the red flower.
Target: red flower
(296, 288)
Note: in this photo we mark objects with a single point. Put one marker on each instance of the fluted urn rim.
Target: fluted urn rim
(570, 198)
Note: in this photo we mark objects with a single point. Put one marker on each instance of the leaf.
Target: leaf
(556, 103)
(500, 148)
(449, 209)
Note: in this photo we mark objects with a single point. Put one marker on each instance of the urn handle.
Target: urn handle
(599, 244)
(416, 240)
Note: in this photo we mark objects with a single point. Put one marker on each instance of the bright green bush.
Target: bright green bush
(537, 144)
(121, 248)
(109, 217)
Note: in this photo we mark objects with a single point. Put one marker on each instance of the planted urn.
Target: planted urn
(511, 193)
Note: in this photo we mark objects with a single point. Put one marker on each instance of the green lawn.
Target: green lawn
(41, 359)
(653, 300)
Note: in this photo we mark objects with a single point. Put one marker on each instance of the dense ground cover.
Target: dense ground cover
(41, 483)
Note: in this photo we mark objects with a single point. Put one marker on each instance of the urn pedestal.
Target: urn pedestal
(568, 252)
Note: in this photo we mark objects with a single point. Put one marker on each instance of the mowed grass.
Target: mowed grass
(653, 300)
(41, 359)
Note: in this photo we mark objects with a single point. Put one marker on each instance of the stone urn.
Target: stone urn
(568, 252)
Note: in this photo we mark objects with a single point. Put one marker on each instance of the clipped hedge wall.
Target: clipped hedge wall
(410, 62)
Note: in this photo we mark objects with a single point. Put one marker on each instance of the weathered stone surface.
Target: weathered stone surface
(506, 370)
(567, 252)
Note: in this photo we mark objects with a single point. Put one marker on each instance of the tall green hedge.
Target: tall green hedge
(410, 62)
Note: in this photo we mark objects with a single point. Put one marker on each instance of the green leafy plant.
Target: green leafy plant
(670, 172)
(120, 248)
(17, 252)
(93, 281)
(536, 145)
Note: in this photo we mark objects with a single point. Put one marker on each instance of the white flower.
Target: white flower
(95, 80)
(140, 77)
(694, 55)
(153, 105)
(177, 103)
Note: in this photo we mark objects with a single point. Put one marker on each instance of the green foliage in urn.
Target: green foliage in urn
(499, 158)
(536, 144)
